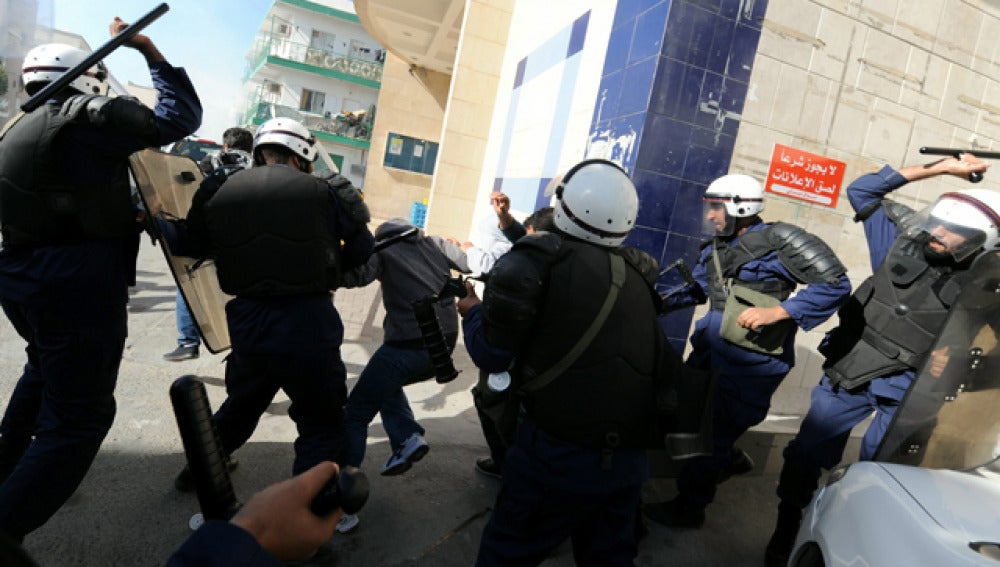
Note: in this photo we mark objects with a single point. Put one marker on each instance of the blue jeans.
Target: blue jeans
(186, 329)
(380, 390)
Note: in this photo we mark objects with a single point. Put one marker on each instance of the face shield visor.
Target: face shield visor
(955, 225)
(715, 217)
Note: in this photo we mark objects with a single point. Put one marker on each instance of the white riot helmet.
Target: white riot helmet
(740, 196)
(287, 133)
(48, 62)
(596, 202)
(970, 219)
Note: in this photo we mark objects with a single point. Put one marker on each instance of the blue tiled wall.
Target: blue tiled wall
(676, 72)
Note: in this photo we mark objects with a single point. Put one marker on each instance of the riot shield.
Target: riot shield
(166, 183)
(950, 417)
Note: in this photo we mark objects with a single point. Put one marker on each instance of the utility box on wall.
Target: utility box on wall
(410, 154)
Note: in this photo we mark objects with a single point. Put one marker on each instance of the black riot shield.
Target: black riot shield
(166, 183)
(950, 417)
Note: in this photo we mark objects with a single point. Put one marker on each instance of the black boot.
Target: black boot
(779, 548)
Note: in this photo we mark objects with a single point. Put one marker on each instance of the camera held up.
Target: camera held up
(430, 329)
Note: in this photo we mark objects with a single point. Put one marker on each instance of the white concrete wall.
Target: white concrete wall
(868, 83)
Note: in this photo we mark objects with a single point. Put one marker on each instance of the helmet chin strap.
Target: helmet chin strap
(743, 222)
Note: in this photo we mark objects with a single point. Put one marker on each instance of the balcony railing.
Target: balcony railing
(344, 126)
(267, 46)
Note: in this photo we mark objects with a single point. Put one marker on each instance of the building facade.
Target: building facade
(314, 62)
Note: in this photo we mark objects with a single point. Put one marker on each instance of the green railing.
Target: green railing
(268, 46)
(340, 128)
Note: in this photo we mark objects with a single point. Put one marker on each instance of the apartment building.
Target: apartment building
(314, 62)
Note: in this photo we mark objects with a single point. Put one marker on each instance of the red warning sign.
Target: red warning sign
(802, 175)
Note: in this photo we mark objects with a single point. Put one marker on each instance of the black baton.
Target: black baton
(203, 449)
(114, 43)
(975, 176)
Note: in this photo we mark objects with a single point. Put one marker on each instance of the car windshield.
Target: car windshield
(195, 148)
(949, 417)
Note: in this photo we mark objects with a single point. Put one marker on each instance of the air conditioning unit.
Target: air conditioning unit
(357, 169)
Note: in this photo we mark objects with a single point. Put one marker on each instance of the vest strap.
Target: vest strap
(617, 281)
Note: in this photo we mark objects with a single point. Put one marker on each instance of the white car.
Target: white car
(932, 495)
(885, 514)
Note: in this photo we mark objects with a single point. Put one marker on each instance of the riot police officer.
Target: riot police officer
(888, 327)
(70, 240)
(768, 258)
(280, 237)
(573, 317)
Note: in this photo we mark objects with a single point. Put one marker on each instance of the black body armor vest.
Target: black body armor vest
(270, 232)
(38, 204)
(892, 320)
(750, 246)
(606, 399)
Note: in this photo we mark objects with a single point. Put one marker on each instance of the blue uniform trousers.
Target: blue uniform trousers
(64, 398)
(314, 382)
(552, 491)
(531, 519)
(740, 403)
(820, 442)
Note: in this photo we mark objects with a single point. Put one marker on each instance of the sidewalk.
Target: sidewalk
(127, 512)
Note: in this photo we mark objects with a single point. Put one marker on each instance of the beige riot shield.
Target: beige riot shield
(949, 417)
(166, 183)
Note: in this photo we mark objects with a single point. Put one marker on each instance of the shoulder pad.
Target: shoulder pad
(898, 213)
(124, 113)
(514, 294)
(10, 123)
(226, 171)
(84, 108)
(804, 255)
(350, 196)
(641, 261)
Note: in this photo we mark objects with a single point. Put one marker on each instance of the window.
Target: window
(322, 41)
(411, 154)
(359, 50)
(312, 101)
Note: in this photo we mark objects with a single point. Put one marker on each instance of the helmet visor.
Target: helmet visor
(715, 217)
(954, 225)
